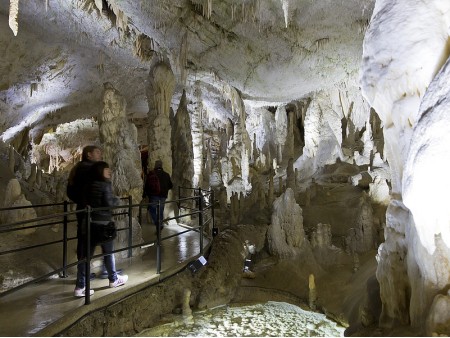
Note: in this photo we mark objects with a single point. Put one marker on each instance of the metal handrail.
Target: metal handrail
(64, 216)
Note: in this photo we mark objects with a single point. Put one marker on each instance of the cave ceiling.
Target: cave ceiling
(272, 51)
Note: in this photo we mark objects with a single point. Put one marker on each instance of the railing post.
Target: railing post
(214, 230)
(64, 272)
(200, 218)
(130, 226)
(158, 239)
(87, 297)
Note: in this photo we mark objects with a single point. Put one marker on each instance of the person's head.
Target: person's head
(158, 164)
(91, 153)
(100, 171)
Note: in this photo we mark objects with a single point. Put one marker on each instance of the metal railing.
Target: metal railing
(198, 204)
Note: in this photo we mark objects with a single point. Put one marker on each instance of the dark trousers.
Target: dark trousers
(153, 209)
(107, 247)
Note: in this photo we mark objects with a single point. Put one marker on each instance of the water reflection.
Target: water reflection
(273, 319)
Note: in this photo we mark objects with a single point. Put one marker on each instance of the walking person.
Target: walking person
(100, 195)
(76, 190)
(157, 186)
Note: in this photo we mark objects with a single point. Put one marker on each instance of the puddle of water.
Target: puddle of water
(273, 319)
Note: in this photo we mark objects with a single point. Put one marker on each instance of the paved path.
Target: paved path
(31, 309)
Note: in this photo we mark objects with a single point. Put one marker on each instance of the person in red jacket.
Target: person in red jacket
(157, 186)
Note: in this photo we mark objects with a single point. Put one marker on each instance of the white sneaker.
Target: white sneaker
(81, 292)
(121, 280)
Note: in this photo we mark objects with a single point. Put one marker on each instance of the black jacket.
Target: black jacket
(164, 182)
(101, 195)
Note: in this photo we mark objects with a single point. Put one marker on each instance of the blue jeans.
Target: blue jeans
(153, 209)
(109, 261)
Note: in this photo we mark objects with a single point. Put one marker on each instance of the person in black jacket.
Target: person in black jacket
(99, 195)
(76, 190)
(160, 195)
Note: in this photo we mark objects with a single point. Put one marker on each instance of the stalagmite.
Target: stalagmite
(11, 159)
(14, 16)
(186, 309)
(38, 177)
(32, 178)
(312, 296)
(119, 143)
(286, 235)
(182, 167)
(160, 88)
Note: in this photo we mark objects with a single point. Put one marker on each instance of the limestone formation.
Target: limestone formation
(15, 198)
(32, 178)
(119, 143)
(11, 159)
(312, 297)
(286, 235)
(159, 90)
(281, 121)
(197, 138)
(182, 167)
(186, 309)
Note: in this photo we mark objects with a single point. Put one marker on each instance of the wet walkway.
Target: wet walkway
(30, 310)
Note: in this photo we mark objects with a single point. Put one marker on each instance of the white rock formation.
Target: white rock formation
(285, 235)
(160, 87)
(15, 198)
(119, 145)
(395, 78)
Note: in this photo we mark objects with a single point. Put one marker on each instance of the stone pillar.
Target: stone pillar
(160, 88)
(182, 161)
(119, 143)
(197, 138)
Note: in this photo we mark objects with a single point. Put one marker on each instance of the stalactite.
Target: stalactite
(289, 146)
(281, 122)
(183, 58)
(14, 16)
(290, 177)
(207, 8)
(270, 198)
(285, 5)
(11, 159)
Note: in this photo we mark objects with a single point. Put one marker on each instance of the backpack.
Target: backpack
(152, 185)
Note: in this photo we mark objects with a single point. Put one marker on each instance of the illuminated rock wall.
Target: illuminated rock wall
(413, 261)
